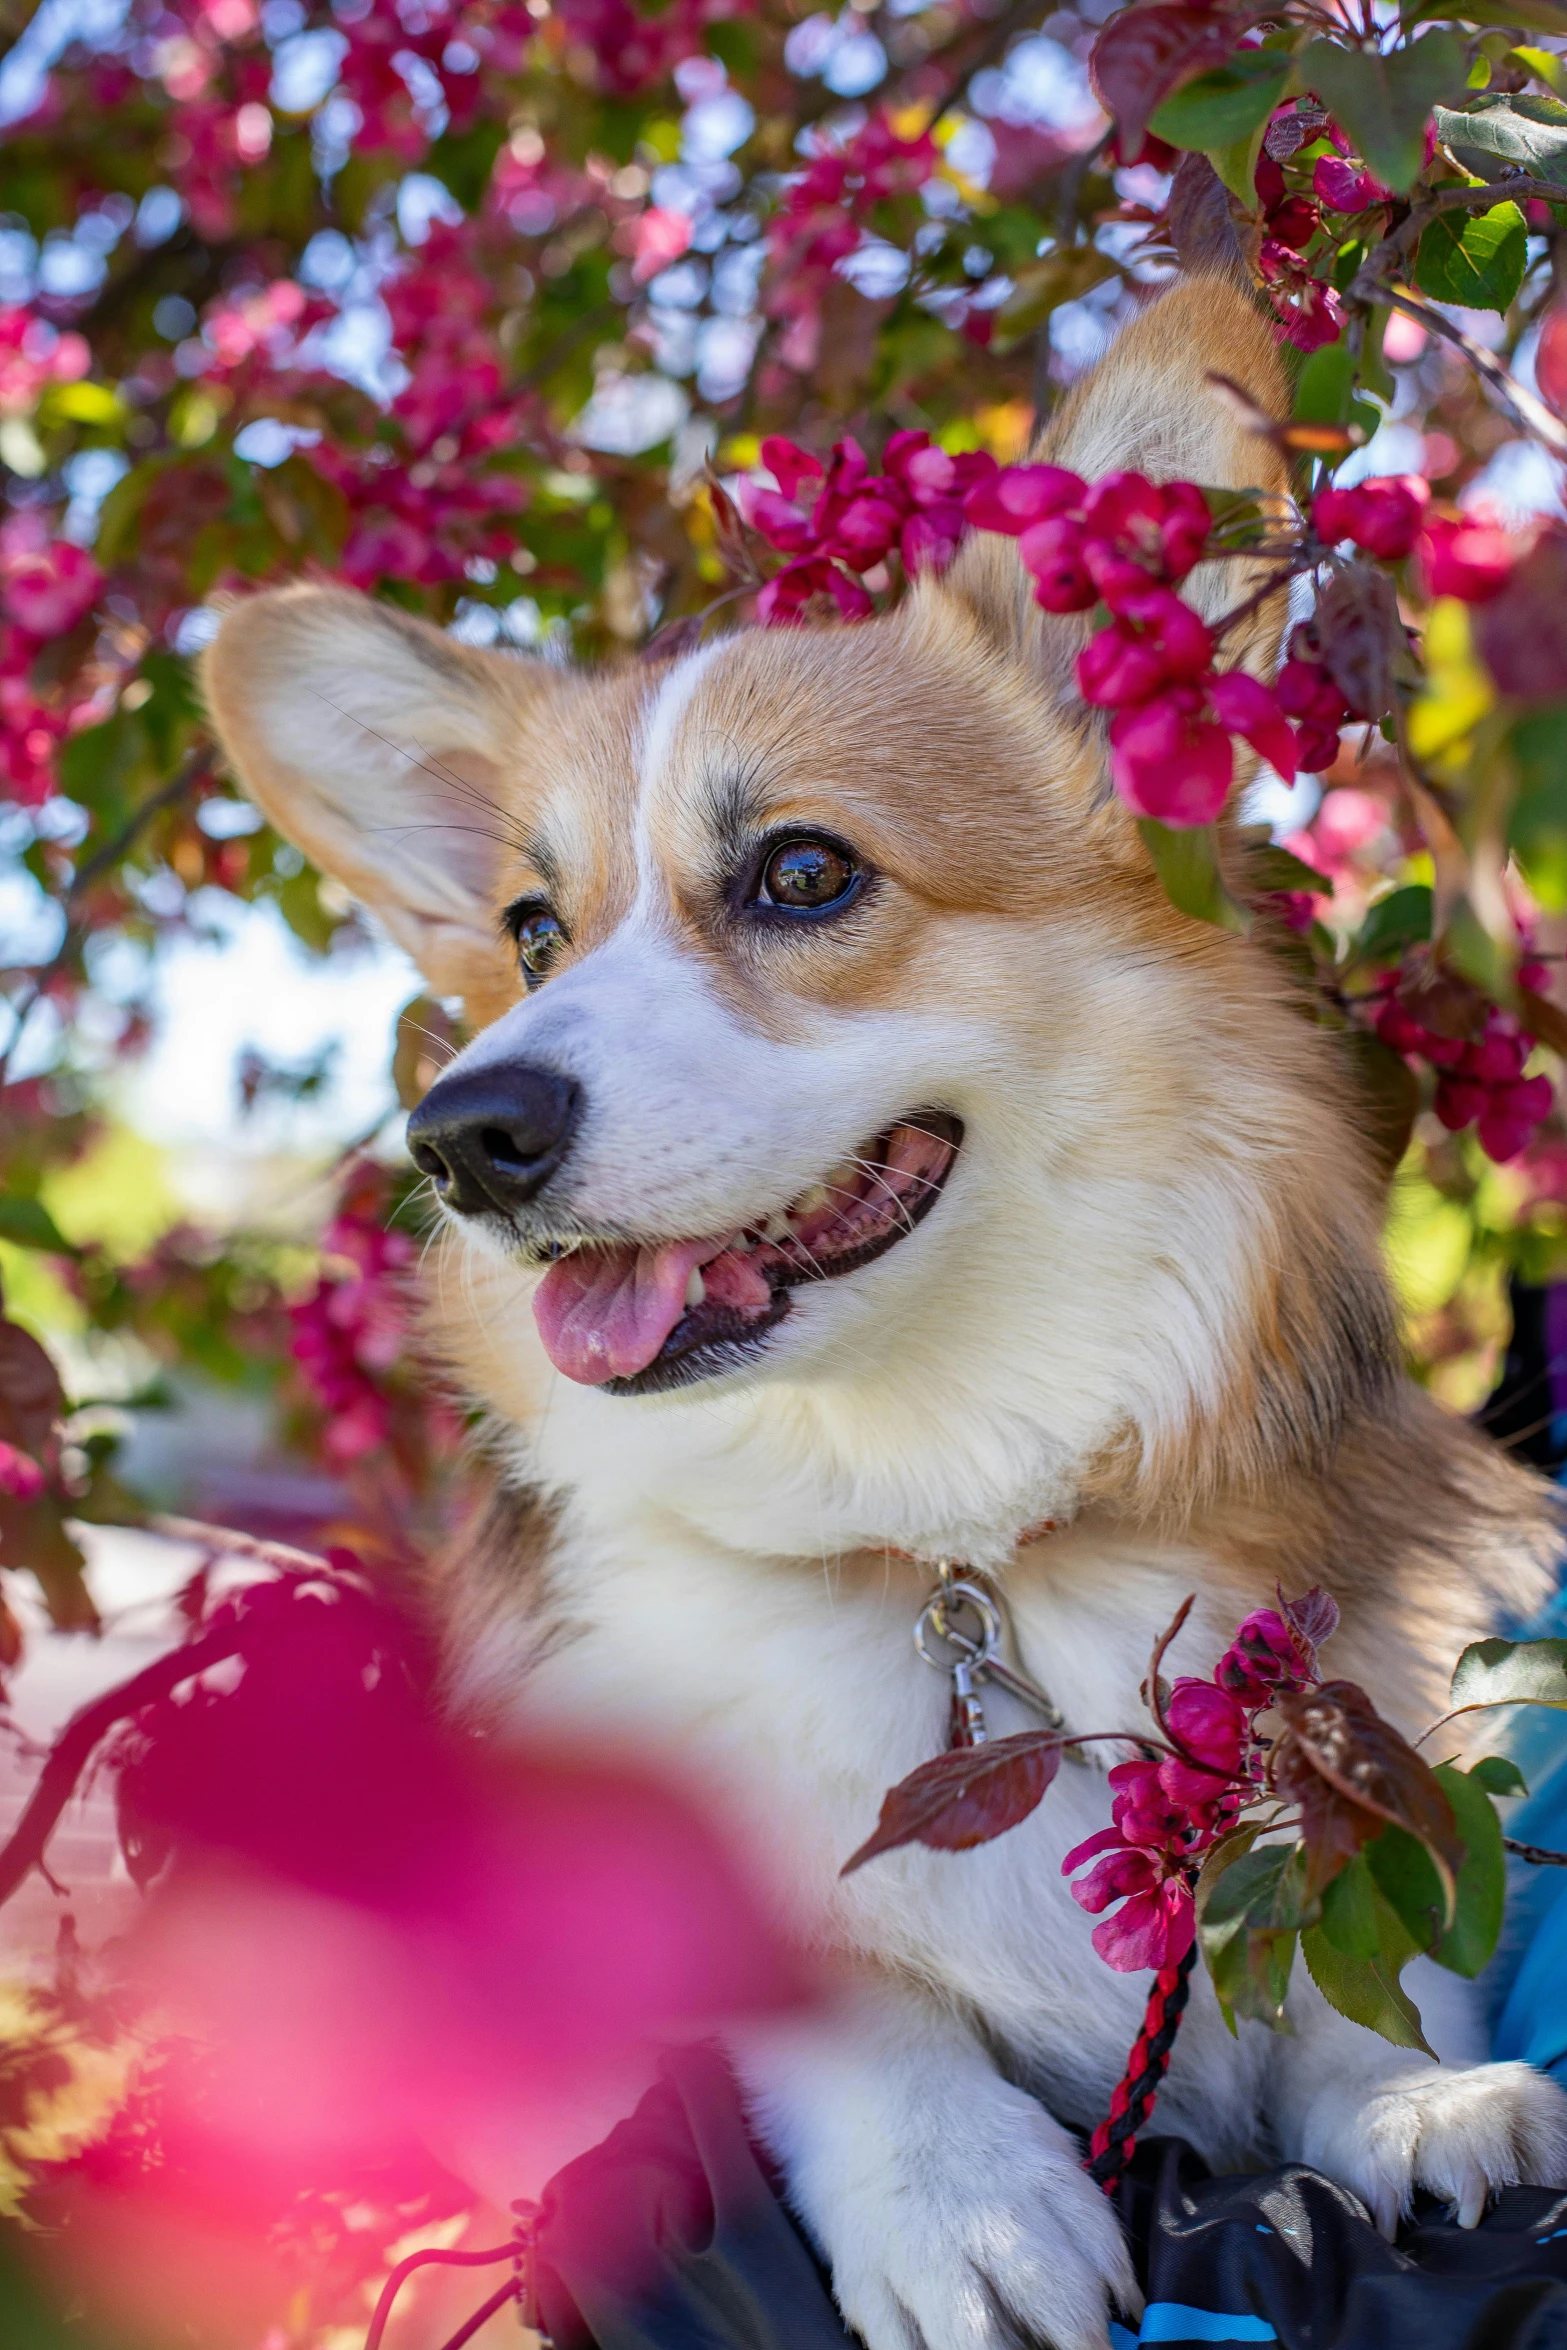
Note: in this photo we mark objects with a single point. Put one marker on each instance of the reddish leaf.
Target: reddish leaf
(1145, 53)
(1350, 1771)
(31, 1397)
(1313, 1618)
(965, 1797)
(1522, 633)
(1360, 636)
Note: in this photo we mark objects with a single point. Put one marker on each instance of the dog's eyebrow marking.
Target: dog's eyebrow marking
(668, 708)
(732, 804)
(536, 850)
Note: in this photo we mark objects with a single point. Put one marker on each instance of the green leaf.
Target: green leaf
(1186, 859)
(1384, 102)
(1537, 827)
(1475, 258)
(1512, 1672)
(1545, 16)
(1236, 164)
(1504, 132)
(1221, 107)
(1368, 1990)
(1349, 1910)
(1401, 919)
(1407, 1880)
(1249, 1915)
(1325, 385)
(1498, 1774)
(1471, 1939)
(28, 1223)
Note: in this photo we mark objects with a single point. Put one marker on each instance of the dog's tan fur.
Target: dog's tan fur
(1152, 1307)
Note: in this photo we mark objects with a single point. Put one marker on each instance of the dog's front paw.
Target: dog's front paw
(1459, 2134)
(1005, 2246)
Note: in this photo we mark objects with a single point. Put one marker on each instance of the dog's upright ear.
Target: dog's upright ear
(378, 745)
(1151, 407)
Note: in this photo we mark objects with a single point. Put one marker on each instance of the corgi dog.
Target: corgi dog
(856, 1164)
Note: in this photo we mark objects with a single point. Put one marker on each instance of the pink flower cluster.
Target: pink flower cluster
(1169, 1811)
(426, 514)
(1123, 541)
(1383, 516)
(1465, 557)
(915, 507)
(33, 355)
(1480, 1079)
(348, 1333)
(820, 221)
(47, 586)
(1310, 313)
(456, 45)
(1308, 692)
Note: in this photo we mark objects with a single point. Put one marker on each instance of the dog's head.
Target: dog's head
(832, 1029)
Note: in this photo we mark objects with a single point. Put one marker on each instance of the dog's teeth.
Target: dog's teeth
(809, 1202)
(775, 1228)
(844, 1177)
(696, 1287)
(742, 1245)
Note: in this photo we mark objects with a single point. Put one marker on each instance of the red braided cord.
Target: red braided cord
(1137, 2063)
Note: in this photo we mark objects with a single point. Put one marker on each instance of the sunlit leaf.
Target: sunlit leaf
(1520, 130)
(1225, 104)
(1474, 258)
(1498, 1774)
(1512, 1672)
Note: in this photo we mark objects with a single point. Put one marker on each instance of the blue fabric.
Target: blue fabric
(1526, 1982)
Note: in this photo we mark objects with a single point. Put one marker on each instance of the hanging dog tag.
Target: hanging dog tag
(958, 1632)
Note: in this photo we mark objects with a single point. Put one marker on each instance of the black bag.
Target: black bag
(672, 2236)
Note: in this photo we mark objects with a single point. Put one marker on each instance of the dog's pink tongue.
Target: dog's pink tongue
(603, 1313)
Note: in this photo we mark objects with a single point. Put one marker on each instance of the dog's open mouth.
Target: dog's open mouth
(635, 1318)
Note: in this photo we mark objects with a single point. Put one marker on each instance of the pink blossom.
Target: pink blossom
(660, 237)
(47, 590)
(1245, 706)
(1167, 761)
(1017, 496)
(1152, 1929)
(21, 1478)
(1261, 1658)
(1469, 559)
(1052, 551)
(1382, 515)
(1346, 187)
(1208, 1722)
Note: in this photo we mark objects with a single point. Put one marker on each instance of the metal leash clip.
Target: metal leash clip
(965, 1621)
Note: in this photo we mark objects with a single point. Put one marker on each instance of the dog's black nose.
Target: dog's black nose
(492, 1138)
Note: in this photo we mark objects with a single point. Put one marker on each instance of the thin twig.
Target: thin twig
(1530, 412)
(84, 1733)
(1243, 611)
(436, 2257)
(1539, 1856)
(1396, 244)
(183, 781)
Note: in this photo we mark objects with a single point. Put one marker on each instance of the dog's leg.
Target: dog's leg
(1385, 2120)
(952, 2210)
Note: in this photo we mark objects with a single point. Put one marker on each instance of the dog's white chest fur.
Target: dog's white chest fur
(793, 1697)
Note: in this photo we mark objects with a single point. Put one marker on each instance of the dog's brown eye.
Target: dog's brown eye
(539, 938)
(806, 876)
